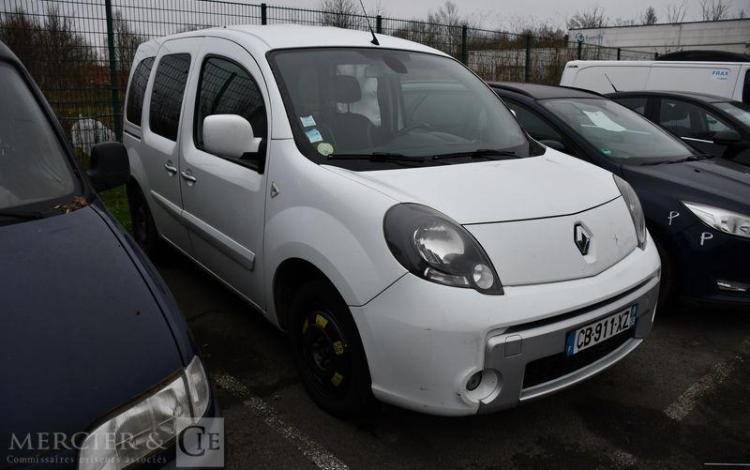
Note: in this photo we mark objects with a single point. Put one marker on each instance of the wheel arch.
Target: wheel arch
(290, 275)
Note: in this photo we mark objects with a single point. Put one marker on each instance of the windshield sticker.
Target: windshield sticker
(602, 121)
(325, 149)
(606, 151)
(307, 121)
(313, 135)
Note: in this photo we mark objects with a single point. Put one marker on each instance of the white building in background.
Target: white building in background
(724, 35)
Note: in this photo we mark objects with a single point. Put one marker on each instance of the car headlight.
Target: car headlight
(636, 211)
(434, 247)
(720, 219)
(148, 424)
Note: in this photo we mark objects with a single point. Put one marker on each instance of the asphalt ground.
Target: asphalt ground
(680, 401)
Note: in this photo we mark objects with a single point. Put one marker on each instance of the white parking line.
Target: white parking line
(308, 447)
(686, 402)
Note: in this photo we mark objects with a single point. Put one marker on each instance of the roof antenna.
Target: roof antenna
(374, 38)
(611, 84)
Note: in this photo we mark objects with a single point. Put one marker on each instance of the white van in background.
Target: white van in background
(727, 79)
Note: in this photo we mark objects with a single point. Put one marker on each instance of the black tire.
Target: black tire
(668, 284)
(328, 352)
(143, 226)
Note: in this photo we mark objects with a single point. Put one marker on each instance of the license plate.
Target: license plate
(600, 330)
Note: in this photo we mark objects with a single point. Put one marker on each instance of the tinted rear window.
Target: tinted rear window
(166, 97)
(138, 89)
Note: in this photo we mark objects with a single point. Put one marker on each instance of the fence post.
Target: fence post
(263, 13)
(114, 82)
(527, 67)
(379, 24)
(618, 53)
(465, 44)
(580, 50)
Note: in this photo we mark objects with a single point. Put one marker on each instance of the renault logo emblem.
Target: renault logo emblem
(582, 238)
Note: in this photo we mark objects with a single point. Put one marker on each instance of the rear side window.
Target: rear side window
(137, 90)
(689, 120)
(226, 88)
(637, 104)
(166, 96)
(533, 124)
(746, 88)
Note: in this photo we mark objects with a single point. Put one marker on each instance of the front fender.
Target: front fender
(359, 273)
(330, 221)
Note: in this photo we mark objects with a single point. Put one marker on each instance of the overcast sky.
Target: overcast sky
(505, 13)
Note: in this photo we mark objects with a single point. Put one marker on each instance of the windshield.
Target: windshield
(348, 102)
(616, 131)
(33, 164)
(741, 111)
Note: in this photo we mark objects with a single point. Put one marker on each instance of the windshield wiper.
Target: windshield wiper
(691, 158)
(22, 215)
(479, 153)
(378, 157)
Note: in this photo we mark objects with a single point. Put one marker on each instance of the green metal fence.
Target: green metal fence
(80, 51)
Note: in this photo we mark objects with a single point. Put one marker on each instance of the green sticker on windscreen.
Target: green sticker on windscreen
(325, 149)
(606, 151)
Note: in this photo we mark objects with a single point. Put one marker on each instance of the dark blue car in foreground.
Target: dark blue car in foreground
(97, 362)
(697, 208)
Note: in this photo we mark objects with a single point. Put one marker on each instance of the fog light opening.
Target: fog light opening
(474, 381)
(483, 386)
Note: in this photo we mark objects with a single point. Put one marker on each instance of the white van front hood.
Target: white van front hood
(554, 184)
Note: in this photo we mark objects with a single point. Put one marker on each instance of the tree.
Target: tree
(676, 12)
(590, 18)
(446, 24)
(714, 10)
(126, 41)
(649, 16)
(340, 13)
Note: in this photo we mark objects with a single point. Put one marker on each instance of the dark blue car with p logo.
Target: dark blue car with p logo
(97, 362)
(697, 208)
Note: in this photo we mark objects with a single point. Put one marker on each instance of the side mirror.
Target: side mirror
(229, 135)
(555, 144)
(109, 166)
(727, 137)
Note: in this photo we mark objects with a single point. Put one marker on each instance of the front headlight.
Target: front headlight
(636, 211)
(434, 247)
(148, 424)
(720, 219)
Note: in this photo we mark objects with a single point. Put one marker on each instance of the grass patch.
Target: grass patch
(117, 203)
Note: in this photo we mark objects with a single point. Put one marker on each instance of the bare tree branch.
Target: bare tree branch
(676, 12)
(714, 10)
(649, 16)
(590, 18)
(340, 13)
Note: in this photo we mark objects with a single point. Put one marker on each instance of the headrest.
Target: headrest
(673, 112)
(346, 89)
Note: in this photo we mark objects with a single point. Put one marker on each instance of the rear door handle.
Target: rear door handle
(188, 177)
(169, 166)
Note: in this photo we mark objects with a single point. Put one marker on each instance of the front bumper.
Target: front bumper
(424, 341)
(705, 256)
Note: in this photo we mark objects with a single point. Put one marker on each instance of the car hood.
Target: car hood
(553, 184)
(81, 332)
(715, 182)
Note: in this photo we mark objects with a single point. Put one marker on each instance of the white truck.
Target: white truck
(726, 79)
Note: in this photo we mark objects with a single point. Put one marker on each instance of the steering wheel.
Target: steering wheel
(418, 125)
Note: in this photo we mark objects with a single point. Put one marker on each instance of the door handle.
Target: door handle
(169, 166)
(188, 177)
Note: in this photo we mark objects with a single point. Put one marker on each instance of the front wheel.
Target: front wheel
(328, 352)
